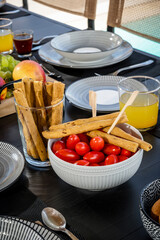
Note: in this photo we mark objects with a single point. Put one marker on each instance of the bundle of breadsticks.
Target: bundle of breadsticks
(98, 126)
(39, 106)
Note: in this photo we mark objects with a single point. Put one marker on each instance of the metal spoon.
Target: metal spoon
(56, 221)
(37, 42)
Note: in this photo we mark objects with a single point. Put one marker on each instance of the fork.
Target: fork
(129, 67)
(49, 73)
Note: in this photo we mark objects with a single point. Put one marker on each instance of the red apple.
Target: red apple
(4, 92)
(30, 69)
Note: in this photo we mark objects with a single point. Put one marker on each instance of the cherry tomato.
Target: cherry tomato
(122, 158)
(82, 162)
(64, 139)
(67, 155)
(111, 159)
(97, 143)
(72, 140)
(94, 157)
(82, 148)
(58, 145)
(83, 137)
(94, 164)
(126, 152)
(111, 149)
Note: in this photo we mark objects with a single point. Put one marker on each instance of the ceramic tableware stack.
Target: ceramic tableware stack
(86, 49)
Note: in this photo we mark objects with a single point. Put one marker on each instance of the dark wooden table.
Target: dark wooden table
(111, 214)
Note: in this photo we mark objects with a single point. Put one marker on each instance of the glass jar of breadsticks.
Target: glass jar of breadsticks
(39, 105)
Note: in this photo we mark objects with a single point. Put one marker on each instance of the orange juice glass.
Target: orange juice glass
(143, 113)
(6, 36)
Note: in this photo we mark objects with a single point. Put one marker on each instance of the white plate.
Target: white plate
(48, 54)
(105, 87)
(11, 165)
(43, 232)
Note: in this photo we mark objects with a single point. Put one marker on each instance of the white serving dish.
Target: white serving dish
(96, 178)
(86, 46)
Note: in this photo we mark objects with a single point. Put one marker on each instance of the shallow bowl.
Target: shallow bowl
(149, 195)
(100, 177)
(86, 46)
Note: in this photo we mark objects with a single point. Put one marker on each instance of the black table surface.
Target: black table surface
(110, 214)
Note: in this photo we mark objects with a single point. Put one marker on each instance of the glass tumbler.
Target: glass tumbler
(143, 113)
(6, 36)
(23, 42)
(32, 122)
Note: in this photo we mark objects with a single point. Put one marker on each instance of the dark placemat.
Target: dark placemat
(19, 201)
(7, 8)
(136, 57)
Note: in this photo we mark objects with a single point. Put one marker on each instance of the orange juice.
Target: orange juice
(6, 41)
(143, 113)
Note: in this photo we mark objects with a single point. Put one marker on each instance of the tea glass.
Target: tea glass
(143, 113)
(23, 42)
(6, 36)
(32, 121)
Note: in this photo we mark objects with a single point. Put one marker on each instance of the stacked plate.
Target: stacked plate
(11, 165)
(85, 49)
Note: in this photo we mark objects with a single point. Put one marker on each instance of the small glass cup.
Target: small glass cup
(23, 42)
(32, 122)
(6, 36)
(143, 113)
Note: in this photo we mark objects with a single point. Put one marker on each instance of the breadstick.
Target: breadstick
(31, 149)
(21, 100)
(41, 113)
(85, 127)
(86, 120)
(57, 96)
(123, 143)
(27, 86)
(48, 92)
(18, 85)
(120, 133)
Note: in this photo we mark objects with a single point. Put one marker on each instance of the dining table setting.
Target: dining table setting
(93, 75)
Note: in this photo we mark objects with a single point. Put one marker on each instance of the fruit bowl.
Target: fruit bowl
(100, 177)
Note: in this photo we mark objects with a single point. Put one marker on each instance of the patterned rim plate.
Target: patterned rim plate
(104, 86)
(49, 55)
(24, 229)
(11, 165)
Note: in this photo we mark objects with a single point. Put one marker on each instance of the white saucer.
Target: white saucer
(49, 55)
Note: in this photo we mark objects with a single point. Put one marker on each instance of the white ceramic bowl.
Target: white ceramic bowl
(86, 46)
(96, 178)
